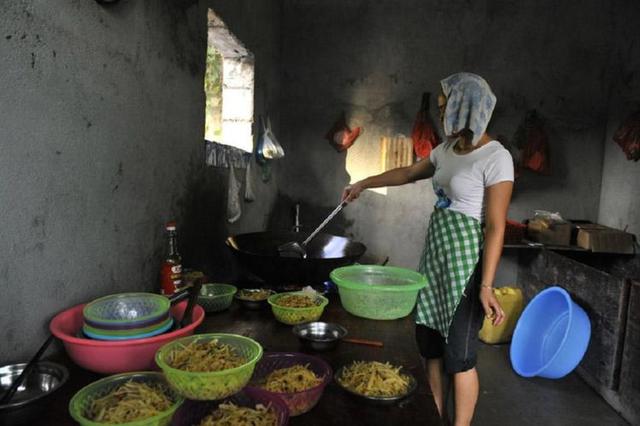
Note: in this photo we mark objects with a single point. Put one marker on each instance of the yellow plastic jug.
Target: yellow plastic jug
(510, 299)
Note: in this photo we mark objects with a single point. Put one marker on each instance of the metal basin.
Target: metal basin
(257, 253)
(45, 378)
(320, 336)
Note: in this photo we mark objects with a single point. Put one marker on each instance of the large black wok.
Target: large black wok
(257, 253)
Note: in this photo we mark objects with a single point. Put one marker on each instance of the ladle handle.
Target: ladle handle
(324, 223)
(375, 343)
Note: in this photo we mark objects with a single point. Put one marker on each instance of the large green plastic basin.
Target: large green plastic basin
(378, 292)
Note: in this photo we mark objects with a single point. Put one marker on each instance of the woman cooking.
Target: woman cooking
(473, 179)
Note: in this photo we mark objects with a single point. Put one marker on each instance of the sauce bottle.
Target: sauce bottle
(171, 271)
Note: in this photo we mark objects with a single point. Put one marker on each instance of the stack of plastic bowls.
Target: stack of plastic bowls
(127, 316)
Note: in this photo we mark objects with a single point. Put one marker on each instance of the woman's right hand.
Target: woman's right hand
(351, 192)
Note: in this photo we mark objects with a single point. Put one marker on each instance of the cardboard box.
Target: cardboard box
(557, 234)
(602, 239)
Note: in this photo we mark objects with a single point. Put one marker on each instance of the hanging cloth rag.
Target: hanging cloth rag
(449, 258)
(533, 141)
(470, 103)
(628, 136)
(424, 136)
(234, 204)
(249, 193)
(341, 137)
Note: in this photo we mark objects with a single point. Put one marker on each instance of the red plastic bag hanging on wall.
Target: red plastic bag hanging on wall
(628, 136)
(341, 137)
(533, 141)
(423, 134)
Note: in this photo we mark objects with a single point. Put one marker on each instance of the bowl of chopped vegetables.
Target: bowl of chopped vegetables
(298, 379)
(254, 298)
(209, 366)
(377, 382)
(134, 399)
(297, 307)
(248, 407)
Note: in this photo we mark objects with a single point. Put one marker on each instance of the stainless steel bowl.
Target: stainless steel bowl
(45, 378)
(320, 336)
(380, 400)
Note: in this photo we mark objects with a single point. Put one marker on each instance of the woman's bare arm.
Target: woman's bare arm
(423, 169)
(498, 197)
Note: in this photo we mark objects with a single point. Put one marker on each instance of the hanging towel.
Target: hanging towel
(249, 194)
(234, 206)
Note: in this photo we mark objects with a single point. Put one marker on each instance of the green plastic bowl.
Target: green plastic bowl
(82, 399)
(293, 316)
(216, 297)
(206, 386)
(378, 292)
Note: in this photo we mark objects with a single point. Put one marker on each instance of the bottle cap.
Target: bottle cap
(170, 226)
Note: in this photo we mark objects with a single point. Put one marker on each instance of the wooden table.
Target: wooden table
(335, 406)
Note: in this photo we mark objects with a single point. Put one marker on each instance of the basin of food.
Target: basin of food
(250, 406)
(209, 366)
(140, 398)
(297, 378)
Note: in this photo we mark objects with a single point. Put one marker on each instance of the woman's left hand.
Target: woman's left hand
(491, 306)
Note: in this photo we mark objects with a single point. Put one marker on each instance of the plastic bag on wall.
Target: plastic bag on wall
(628, 136)
(423, 134)
(341, 137)
(268, 147)
(533, 142)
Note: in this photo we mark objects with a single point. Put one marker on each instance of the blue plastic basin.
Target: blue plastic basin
(551, 336)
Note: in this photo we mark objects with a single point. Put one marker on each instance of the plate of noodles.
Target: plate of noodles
(141, 398)
(379, 382)
(299, 379)
(250, 407)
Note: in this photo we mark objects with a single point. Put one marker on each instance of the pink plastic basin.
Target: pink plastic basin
(110, 357)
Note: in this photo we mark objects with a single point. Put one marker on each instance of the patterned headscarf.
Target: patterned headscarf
(470, 103)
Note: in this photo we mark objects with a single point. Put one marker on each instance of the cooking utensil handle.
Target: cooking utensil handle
(324, 223)
(365, 342)
(27, 370)
(193, 297)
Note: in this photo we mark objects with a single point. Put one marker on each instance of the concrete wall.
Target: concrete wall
(620, 192)
(101, 142)
(374, 59)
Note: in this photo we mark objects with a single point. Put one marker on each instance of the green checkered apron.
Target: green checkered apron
(450, 255)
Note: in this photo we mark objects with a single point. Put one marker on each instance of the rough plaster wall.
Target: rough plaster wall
(374, 59)
(101, 141)
(620, 192)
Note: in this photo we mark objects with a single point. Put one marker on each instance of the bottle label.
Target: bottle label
(170, 278)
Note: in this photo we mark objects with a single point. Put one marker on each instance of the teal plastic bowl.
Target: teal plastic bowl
(378, 292)
(79, 404)
(215, 297)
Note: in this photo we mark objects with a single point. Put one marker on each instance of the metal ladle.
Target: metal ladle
(296, 249)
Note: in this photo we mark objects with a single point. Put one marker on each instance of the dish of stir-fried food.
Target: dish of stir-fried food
(204, 357)
(374, 379)
(129, 402)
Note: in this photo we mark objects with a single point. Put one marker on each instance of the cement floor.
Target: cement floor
(507, 399)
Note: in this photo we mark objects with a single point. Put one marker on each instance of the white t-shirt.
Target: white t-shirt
(460, 180)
